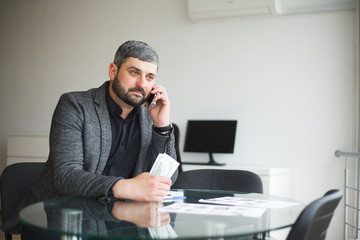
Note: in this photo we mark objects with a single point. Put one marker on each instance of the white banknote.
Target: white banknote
(165, 232)
(164, 165)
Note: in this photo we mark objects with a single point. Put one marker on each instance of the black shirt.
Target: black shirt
(125, 140)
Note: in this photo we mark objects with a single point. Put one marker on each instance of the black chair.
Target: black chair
(15, 182)
(314, 220)
(219, 179)
(177, 142)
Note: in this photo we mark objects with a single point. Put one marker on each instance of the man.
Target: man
(104, 141)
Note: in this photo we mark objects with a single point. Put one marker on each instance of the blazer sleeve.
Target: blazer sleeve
(72, 132)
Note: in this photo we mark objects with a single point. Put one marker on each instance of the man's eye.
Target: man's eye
(151, 77)
(134, 73)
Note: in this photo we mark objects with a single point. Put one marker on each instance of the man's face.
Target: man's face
(134, 80)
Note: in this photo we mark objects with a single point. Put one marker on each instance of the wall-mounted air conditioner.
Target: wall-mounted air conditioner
(308, 6)
(200, 10)
(216, 9)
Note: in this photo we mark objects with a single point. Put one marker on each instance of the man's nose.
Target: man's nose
(141, 81)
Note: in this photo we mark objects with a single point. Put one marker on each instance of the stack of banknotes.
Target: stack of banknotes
(164, 165)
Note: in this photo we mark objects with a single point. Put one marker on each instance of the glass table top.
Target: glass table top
(191, 217)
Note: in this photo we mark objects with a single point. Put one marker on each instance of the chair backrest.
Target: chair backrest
(219, 179)
(15, 182)
(314, 220)
(177, 148)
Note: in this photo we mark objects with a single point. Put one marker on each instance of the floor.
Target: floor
(15, 237)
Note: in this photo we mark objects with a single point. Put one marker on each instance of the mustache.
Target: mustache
(142, 91)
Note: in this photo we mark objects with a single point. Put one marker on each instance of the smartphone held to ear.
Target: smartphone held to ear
(150, 100)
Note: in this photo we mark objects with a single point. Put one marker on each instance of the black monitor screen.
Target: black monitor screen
(213, 136)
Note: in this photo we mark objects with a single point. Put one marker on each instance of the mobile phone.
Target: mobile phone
(150, 100)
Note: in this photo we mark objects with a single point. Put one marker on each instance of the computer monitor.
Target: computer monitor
(211, 136)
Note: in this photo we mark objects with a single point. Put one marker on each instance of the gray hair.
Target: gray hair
(135, 49)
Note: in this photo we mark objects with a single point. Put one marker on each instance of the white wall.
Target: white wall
(288, 80)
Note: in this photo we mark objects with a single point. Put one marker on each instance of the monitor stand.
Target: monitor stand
(210, 162)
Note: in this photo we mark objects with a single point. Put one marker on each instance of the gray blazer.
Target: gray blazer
(80, 142)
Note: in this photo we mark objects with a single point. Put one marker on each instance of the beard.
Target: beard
(125, 96)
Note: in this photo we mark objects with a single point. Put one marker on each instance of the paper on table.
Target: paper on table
(249, 202)
(164, 165)
(208, 209)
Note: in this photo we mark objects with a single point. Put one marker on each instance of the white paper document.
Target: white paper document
(208, 209)
(164, 165)
(249, 202)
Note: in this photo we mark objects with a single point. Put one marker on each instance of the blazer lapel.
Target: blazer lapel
(104, 125)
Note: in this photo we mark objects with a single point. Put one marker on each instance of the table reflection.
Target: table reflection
(105, 218)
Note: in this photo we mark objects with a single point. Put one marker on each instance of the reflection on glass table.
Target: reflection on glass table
(202, 214)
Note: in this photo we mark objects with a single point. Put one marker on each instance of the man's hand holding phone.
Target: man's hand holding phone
(160, 113)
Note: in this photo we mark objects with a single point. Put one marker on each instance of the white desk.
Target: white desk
(276, 181)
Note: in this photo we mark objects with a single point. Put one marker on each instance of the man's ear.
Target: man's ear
(112, 71)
